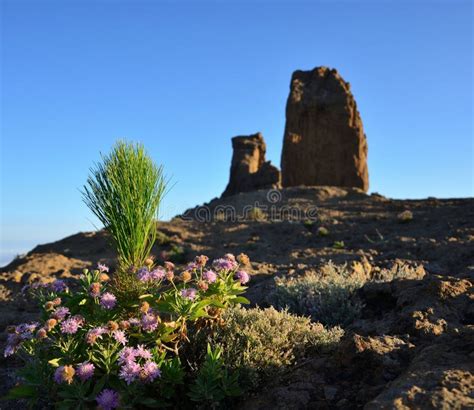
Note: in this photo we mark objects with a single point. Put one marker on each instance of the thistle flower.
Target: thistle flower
(64, 374)
(108, 300)
(102, 268)
(129, 372)
(94, 334)
(143, 275)
(170, 275)
(149, 371)
(209, 276)
(108, 399)
(186, 276)
(127, 355)
(201, 260)
(59, 286)
(143, 352)
(189, 293)
(133, 321)
(94, 289)
(157, 274)
(242, 276)
(149, 322)
(224, 264)
(71, 326)
(191, 266)
(85, 371)
(60, 313)
(57, 301)
(230, 257)
(17, 335)
(243, 259)
(48, 306)
(119, 336)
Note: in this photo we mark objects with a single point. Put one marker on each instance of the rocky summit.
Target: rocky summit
(324, 141)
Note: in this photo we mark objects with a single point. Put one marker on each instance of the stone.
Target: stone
(249, 170)
(324, 141)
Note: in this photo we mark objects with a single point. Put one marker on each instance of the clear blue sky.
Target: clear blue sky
(184, 77)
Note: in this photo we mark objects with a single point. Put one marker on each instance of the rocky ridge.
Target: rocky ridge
(412, 346)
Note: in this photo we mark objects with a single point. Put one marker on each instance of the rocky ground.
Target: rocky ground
(413, 347)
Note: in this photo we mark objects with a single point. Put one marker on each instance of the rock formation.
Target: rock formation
(249, 171)
(324, 141)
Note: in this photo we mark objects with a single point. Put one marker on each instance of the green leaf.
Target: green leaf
(82, 302)
(54, 362)
(241, 299)
(21, 391)
(98, 387)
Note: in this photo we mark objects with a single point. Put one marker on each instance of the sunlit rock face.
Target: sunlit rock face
(249, 170)
(324, 141)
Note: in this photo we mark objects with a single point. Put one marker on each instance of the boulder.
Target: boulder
(249, 170)
(324, 141)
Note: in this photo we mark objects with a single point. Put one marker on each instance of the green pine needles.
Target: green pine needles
(124, 191)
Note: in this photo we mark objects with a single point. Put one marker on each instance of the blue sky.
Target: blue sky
(185, 77)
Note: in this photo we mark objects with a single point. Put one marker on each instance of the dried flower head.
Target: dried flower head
(94, 289)
(112, 326)
(145, 307)
(169, 265)
(50, 323)
(104, 277)
(64, 374)
(203, 285)
(41, 333)
(149, 262)
(186, 276)
(124, 324)
(243, 259)
(201, 260)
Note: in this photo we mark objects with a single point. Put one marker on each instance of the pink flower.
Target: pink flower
(189, 293)
(102, 268)
(149, 322)
(85, 371)
(209, 276)
(242, 276)
(150, 371)
(108, 399)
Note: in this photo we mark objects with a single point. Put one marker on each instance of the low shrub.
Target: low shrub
(261, 343)
(90, 348)
(256, 214)
(322, 231)
(405, 216)
(327, 297)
